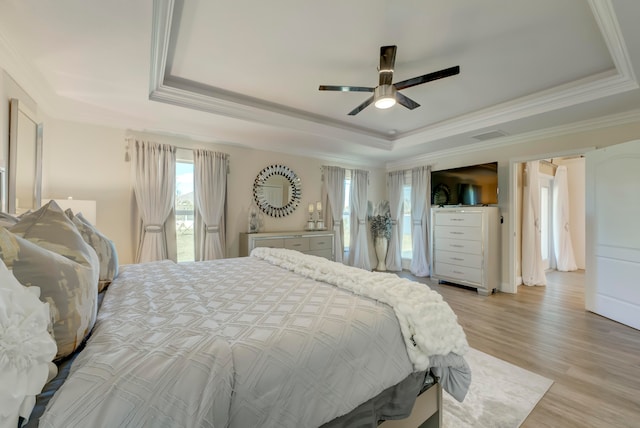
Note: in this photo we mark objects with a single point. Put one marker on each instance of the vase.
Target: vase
(380, 245)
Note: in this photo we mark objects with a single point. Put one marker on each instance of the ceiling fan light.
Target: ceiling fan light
(384, 103)
(384, 96)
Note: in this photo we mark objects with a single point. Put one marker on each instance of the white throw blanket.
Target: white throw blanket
(429, 325)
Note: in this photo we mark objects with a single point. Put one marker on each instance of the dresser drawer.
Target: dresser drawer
(320, 243)
(458, 245)
(456, 232)
(460, 273)
(298, 244)
(459, 259)
(327, 254)
(459, 219)
(272, 243)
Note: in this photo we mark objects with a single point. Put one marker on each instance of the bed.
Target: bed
(277, 339)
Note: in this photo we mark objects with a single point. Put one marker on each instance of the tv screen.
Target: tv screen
(467, 185)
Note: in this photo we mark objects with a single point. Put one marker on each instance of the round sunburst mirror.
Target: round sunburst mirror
(277, 190)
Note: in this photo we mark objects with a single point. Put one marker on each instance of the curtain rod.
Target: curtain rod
(128, 140)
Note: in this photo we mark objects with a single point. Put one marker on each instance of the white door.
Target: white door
(612, 272)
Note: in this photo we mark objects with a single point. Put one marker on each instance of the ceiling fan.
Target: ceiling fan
(386, 94)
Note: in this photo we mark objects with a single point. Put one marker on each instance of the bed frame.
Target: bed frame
(426, 412)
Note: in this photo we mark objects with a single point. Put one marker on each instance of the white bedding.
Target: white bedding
(236, 342)
(429, 325)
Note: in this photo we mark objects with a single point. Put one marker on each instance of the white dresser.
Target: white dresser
(317, 243)
(465, 246)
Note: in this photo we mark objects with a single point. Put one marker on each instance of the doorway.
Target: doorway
(575, 165)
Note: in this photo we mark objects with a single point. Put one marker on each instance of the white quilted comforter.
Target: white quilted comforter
(236, 342)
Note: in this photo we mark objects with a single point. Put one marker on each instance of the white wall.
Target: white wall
(87, 162)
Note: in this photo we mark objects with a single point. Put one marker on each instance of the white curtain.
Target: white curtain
(532, 268)
(395, 190)
(154, 184)
(334, 183)
(359, 245)
(565, 259)
(210, 195)
(420, 209)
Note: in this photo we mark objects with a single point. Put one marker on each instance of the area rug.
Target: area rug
(501, 394)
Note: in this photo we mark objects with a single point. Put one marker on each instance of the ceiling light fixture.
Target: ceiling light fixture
(384, 96)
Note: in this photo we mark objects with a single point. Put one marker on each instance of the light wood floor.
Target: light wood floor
(593, 361)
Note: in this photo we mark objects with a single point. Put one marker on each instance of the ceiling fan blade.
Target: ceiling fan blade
(346, 88)
(387, 62)
(451, 71)
(361, 107)
(406, 101)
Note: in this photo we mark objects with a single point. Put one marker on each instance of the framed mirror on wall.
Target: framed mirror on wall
(24, 184)
(277, 190)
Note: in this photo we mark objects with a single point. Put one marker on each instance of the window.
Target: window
(184, 211)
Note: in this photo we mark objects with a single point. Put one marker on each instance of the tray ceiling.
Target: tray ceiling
(247, 72)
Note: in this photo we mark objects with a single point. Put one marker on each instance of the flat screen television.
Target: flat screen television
(467, 185)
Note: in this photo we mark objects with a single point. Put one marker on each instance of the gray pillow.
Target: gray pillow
(103, 246)
(50, 228)
(73, 288)
(69, 287)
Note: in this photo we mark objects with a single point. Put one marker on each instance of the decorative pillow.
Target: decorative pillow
(102, 245)
(70, 288)
(46, 250)
(50, 228)
(26, 348)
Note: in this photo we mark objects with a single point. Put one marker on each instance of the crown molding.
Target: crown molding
(584, 90)
(607, 21)
(632, 116)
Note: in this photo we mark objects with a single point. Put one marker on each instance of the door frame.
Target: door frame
(549, 180)
(515, 211)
